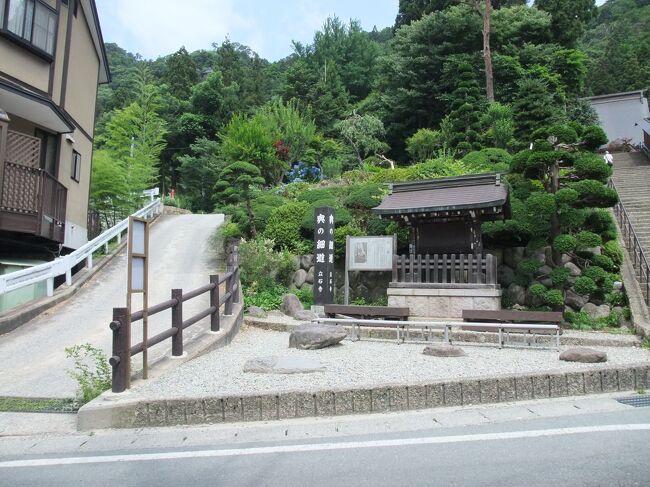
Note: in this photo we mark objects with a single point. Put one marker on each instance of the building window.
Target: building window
(30, 20)
(76, 166)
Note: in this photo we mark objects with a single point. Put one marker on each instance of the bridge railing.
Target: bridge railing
(64, 265)
(120, 359)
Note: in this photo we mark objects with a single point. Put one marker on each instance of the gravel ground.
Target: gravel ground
(355, 365)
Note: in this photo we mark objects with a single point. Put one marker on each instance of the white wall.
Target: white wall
(618, 116)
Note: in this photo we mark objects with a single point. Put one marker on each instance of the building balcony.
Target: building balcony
(32, 201)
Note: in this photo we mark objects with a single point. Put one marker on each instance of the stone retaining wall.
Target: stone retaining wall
(444, 303)
(139, 412)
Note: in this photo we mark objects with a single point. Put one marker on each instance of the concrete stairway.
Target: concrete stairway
(632, 180)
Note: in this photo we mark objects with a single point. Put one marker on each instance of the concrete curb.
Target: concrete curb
(638, 307)
(136, 412)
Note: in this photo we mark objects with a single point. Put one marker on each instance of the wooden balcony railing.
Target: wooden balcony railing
(32, 201)
(445, 269)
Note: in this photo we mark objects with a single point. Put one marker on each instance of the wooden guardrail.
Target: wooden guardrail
(121, 324)
(445, 269)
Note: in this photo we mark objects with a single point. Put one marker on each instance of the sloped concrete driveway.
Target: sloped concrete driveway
(32, 357)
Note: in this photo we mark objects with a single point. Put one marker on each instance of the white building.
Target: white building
(621, 114)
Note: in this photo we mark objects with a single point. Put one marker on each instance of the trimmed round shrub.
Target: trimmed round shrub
(591, 166)
(565, 243)
(560, 276)
(572, 219)
(365, 197)
(587, 240)
(313, 195)
(593, 137)
(528, 267)
(284, 225)
(592, 193)
(230, 230)
(263, 205)
(600, 221)
(537, 290)
(564, 133)
(595, 273)
(554, 298)
(585, 286)
(566, 196)
(605, 262)
(614, 251)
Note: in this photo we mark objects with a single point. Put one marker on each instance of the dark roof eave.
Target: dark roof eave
(410, 211)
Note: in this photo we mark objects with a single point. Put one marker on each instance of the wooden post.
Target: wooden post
(214, 302)
(4, 129)
(121, 352)
(227, 309)
(177, 322)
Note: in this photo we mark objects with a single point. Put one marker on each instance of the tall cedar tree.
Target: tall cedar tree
(533, 108)
(180, 74)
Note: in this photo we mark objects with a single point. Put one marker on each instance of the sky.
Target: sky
(155, 28)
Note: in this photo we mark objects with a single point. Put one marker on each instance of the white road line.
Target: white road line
(433, 440)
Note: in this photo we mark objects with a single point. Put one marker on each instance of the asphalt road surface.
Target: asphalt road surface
(33, 358)
(585, 449)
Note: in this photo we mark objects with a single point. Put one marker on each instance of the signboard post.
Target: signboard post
(324, 256)
(138, 280)
(368, 254)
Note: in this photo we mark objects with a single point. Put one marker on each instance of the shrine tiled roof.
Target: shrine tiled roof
(446, 194)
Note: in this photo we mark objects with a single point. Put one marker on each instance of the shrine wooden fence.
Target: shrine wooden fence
(454, 269)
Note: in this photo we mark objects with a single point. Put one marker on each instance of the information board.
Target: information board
(370, 253)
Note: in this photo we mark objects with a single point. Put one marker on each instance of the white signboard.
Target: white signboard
(370, 253)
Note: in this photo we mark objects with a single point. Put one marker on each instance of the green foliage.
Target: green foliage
(587, 240)
(614, 251)
(593, 193)
(554, 298)
(605, 262)
(230, 230)
(424, 144)
(262, 267)
(364, 134)
(91, 370)
(528, 267)
(583, 321)
(180, 74)
(237, 183)
(533, 107)
(584, 286)
(318, 194)
(593, 137)
(560, 276)
(595, 273)
(488, 160)
(591, 166)
(268, 298)
(498, 126)
(332, 167)
(306, 297)
(365, 197)
(466, 109)
(600, 221)
(340, 235)
(342, 215)
(263, 204)
(198, 173)
(284, 223)
(537, 290)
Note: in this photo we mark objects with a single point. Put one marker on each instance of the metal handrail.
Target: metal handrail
(633, 244)
(63, 265)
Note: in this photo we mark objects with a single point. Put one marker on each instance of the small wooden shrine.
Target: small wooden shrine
(445, 215)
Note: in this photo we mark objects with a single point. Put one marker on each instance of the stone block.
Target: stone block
(609, 380)
(575, 383)
(325, 404)
(175, 412)
(458, 304)
(305, 405)
(380, 399)
(269, 407)
(559, 386)
(252, 406)
(233, 410)
(141, 416)
(398, 399)
(489, 391)
(453, 394)
(157, 414)
(435, 395)
(194, 413)
(507, 390)
(287, 406)
(417, 397)
(213, 411)
(524, 388)
(362, 401)
(641, 379)
(487, 304)
(418, 306)
(541, 386)
(592, 382)
(625, 379)
(343, 403)
(471, 392)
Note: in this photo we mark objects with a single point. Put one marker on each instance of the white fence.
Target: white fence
(63, 265)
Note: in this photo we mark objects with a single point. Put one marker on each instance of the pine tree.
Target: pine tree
(533, 108)
(467, 106)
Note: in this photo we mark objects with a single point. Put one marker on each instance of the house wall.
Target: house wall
(618, 116)
(24, 66)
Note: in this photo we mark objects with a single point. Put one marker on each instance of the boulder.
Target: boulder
(617, 286)
(575, 300)
(306, 261)
(310, 276)
(544, 270)
(594, 250)
(291, 304)
(595, 311)
(505, 275)
(256, 312)
(497, 253)
(305, 315)
(516, 294)
(283, 365)
(548, 282)
(314, 336)
(512, 256)
(299, 278)
(537, 254)
(566, 258)
(574, 270)
(584, 355)
(444, 350)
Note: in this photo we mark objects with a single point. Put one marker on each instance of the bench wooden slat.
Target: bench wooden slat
(507, 316)
(360, 311)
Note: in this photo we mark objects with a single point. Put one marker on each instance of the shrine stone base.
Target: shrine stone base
(445, 303)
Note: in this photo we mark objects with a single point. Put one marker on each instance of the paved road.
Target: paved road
(33, 357)
(578, 447)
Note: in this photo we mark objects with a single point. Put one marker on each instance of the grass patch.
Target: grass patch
(38, 405)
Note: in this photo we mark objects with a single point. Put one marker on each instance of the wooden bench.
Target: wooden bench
(367, 312)
(510, 316)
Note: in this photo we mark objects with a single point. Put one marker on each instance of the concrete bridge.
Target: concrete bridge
(181, 256)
